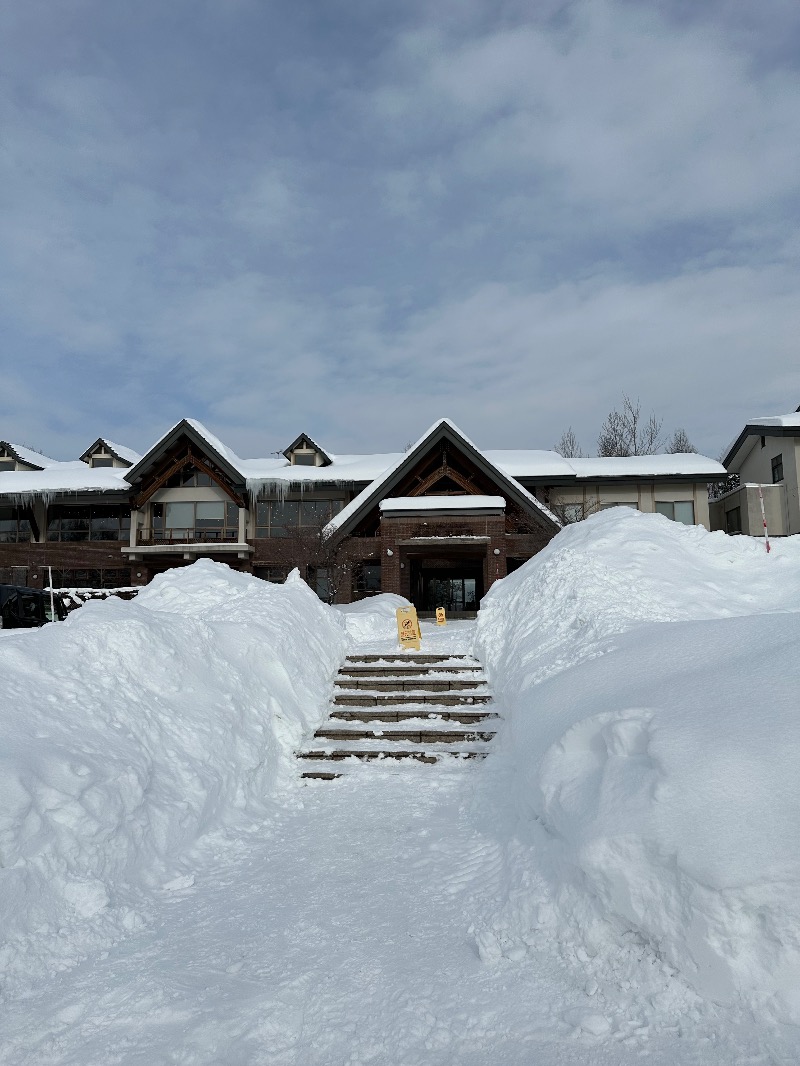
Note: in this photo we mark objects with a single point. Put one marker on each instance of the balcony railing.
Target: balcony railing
(188, 536)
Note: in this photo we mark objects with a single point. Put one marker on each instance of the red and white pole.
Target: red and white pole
(763, 518)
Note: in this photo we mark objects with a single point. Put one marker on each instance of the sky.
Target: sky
(351, 218)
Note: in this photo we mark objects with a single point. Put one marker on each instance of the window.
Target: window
(777, 469)
(319, 578)
(190, 477)
(271, 573)
(733, 520)
(109, 522)
(195, 520)
(367, 577)
(281, 518)
(605, 506)
(14, 527)
(679, 511)
(7, 464)
(305, 458)
(102, 460)
(91, 579)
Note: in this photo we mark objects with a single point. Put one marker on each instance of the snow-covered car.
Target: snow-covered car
(24, 608)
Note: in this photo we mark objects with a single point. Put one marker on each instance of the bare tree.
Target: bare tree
(567, 513)
(627, 432)
(568, 445)
(680, 442)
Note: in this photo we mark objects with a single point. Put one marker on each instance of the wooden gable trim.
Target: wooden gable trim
(445, 471)
(190, 458)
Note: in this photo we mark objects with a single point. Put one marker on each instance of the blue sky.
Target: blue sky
(351, 218)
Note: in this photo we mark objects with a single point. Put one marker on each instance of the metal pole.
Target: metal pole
(763, 518)
(52, 604)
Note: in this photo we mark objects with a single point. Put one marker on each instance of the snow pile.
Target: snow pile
(372, 619)
(132, 731)
(650, 676)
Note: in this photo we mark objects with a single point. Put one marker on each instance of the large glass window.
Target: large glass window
(7, 464)
(109, 522)
(14, 527)
(367, 577)
(102, 460)
(92, 579)
(281, 518)
(678, 511)
(195, 520)
(189, 477)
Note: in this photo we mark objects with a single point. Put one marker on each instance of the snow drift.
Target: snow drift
(132, 731)
(650, 676)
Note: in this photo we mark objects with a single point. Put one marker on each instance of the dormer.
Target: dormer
(105, 453)
(14, 457)
(306, 452)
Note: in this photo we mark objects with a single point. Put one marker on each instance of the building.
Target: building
(438, 523)
(766, 457)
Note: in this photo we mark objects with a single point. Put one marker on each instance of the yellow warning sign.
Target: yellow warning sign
(408, 632)
(441, 619)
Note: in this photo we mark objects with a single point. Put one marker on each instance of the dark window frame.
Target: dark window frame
(777, 469)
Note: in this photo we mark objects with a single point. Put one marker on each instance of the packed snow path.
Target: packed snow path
(349, 929)
(338, 934)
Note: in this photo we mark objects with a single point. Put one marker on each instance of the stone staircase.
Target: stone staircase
(402, 706)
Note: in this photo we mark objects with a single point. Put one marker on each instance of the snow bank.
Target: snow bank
(132, 731)
(650, 676)
(372, 619)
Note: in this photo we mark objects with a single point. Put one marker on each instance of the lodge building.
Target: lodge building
(437, 523)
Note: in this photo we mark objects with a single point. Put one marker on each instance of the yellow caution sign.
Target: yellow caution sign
(441, 619)
(408, 632)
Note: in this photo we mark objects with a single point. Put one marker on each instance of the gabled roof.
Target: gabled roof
(305, 439)
(125, 455)
(765, 426)
(206, 442)
(444, 429)
(27, 455)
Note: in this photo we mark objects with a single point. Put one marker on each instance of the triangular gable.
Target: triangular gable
(33, 460)
(405, 478)
(186, 443)
(312, 445)
(124, 455)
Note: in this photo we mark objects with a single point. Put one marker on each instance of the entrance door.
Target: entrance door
(452, 590)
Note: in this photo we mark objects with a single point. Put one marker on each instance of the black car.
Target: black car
(24, 608)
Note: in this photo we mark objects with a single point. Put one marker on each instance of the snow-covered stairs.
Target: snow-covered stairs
(402, 706)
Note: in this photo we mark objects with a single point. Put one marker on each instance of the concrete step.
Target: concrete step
(380, 714)
(373, 755)
(319, 775)
(417, 736)
(384, 699)
(404, 670)
(410, 684)
(413, 658)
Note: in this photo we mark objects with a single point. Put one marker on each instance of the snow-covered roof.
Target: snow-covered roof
(533, 463)
(675, 464)
(370, 471)
(63, 477)
(790, 421)
(442, 503)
